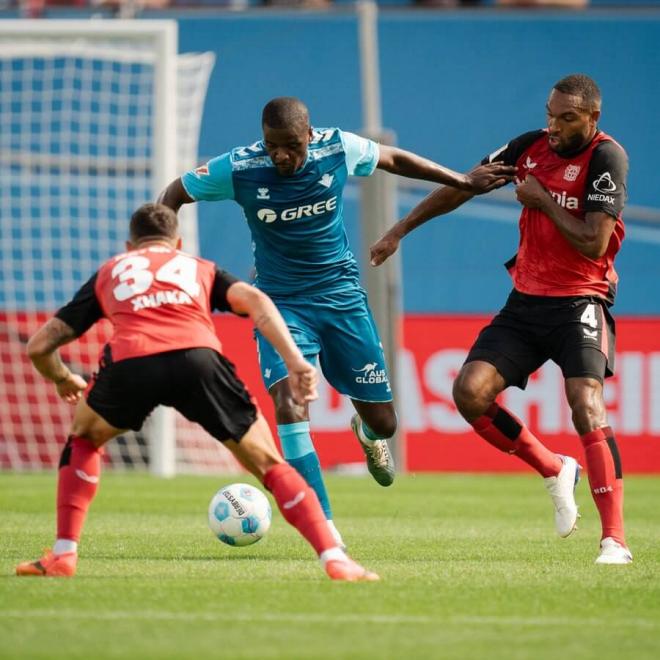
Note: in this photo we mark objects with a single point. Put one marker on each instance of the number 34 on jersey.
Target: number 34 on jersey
(135, 274)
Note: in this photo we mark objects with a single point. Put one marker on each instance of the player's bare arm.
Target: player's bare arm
(439, 202)
(590, 236)
(246, 299)
(42, 350)
(174, 196)
(479, 180)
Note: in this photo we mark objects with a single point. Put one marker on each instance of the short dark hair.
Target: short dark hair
(577, 84)
(285, 112)
(153, 220)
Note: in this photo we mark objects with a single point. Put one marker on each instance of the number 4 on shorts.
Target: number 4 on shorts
(589, 316)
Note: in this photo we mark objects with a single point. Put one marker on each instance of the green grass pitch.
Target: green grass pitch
(470, 568)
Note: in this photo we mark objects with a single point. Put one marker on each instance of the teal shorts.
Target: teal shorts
(336, 329)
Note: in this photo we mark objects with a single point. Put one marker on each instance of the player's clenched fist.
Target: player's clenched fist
(70, 389)
(531, 193)
(303, 379)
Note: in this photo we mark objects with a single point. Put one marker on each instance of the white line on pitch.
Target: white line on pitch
(331, 618)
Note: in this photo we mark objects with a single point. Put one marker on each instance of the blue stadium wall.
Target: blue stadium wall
(455, 86)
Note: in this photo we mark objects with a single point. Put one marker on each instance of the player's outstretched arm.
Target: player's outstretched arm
(481, 179)
(42, 350)
(246, 299)
(174, 196)
(440, 201)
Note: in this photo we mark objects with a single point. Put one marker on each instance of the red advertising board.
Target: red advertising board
(33, 421)
(436, 436)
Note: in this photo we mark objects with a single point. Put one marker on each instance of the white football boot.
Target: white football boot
(612, 552)
(562, 492)
(379, 459)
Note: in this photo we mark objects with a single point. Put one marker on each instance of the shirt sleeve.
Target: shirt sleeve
(605, 188)
(211, 182)
(509, 153)
(362, 155)
(223, 280)
(84, 310)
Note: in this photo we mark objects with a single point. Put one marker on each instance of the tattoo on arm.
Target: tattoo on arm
(56, 334)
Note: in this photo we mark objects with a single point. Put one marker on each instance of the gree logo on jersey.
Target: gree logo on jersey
(297, 212)
(563, 200)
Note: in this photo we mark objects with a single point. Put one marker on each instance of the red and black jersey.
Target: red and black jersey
(157, 298)
(591, 179)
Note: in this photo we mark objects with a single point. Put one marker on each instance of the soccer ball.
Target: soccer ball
(239, 514)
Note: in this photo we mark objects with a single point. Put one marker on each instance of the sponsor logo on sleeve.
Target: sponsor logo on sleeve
(604, 187)
(604, 183)
(202, 170)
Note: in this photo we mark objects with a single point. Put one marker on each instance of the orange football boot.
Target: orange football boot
(50, 565)
(349, 571)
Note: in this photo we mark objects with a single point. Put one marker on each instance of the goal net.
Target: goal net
(95, 118)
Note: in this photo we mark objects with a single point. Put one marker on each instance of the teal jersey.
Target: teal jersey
(298, 234)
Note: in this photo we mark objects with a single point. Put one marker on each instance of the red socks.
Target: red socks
(79, 473)
(605, 480)
(299, 505)
(505, 431)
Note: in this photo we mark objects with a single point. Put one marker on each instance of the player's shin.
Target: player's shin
(505, 431)
(299, 452)
(299, 506)
(78, 479)
(605, 480)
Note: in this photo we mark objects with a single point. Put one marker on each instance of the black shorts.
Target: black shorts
(577, 333)
(199, 382)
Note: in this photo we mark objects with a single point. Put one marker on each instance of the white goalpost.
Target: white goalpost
(96, 117)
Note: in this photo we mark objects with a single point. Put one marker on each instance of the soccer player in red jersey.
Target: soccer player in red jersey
(164, 350)
(571, 183)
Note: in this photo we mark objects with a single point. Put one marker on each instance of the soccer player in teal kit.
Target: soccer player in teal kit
(290, 185)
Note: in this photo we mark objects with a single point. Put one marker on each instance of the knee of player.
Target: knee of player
(465, 391)
(585, 398)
